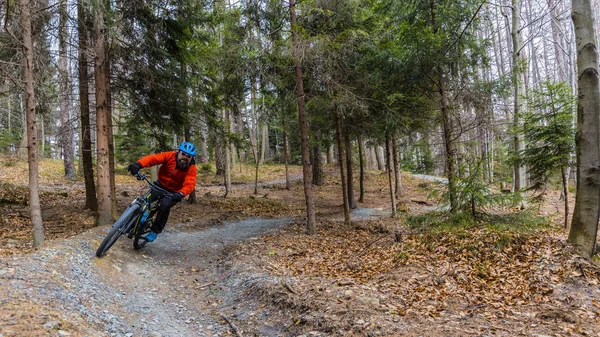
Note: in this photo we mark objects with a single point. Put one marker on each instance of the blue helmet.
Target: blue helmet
(187, 147)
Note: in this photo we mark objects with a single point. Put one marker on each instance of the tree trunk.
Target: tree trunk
(104, 215)
(66, 131)
(232, 150)
(240, 130)
(379, 157)
(42, 137)
(264, 150)
(449, 147)
(397, 169)
(565, 192)
(584, 225)
(23, 147)
(308, 193)
(84, 105)
(317, 167)
(341, 164)
(227, 175)
(203, 134)
(330, 154)
(560, 66)
(518, 83)
(111, 142)
(254, 129)
(350, 175)
(219, 159)
(361, 161)
(388, 161)
(34, 196)
(286, 160)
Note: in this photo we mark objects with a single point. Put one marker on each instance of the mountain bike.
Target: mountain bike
(137, 219)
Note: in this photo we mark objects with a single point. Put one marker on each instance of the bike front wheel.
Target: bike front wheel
(139, 241)
(120, 226)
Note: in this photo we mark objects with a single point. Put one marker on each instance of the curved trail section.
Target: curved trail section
(169, 288)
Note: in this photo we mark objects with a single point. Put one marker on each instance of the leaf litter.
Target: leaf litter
(375, 277)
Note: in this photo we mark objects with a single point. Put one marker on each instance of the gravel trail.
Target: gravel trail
(172, 287)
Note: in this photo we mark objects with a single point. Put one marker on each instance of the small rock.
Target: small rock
(369, 300)
(63, 333)
(51, 325)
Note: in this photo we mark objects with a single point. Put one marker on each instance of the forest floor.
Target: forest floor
(244, 265)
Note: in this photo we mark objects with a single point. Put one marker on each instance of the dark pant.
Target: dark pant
(162, 215)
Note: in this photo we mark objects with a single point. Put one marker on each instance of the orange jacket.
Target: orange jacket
(169, 176)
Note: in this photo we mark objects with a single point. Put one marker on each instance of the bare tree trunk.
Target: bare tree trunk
(240, 130)
(23, 147)
(42, 136)
(560, 66)
(449, 147)
(361, 161)
(104, 215)
(203, 134)
(286, 160)
(342, 165)
(84, 105)
(232, 150)
(379, 157)
(584, 225)
(388, 150)
(227, 175)
(219, 159)
(330, 154)
(317, 167)
(565, 192)
(397, 169)
(308, 193)
(518, 71)
(111, 142)
(254, 129)
(35, 210)
(66, 131)
(350, 176)
(264, 152)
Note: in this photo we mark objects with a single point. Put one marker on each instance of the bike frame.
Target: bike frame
(131, 222)
(146, 203)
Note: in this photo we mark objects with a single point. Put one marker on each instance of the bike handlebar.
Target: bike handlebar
(153, 185)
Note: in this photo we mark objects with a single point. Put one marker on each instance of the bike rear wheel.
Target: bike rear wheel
(120, 226)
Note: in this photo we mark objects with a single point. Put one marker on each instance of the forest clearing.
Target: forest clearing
(381, 276)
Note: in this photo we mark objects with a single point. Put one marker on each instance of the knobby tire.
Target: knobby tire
(120, 227)
(139, 241)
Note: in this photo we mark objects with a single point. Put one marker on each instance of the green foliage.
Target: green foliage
(206, 168)
(474, 196)
(446, 221)
(548, 130)
(9, 139)
(132, 142)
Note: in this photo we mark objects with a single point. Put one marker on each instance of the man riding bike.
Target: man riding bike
(177, 175)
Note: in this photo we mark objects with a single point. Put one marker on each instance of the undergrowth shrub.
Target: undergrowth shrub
(446, 221)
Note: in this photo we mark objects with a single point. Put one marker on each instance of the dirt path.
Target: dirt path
(170, 288)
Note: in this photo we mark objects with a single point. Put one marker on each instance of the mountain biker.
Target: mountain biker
(177, 175)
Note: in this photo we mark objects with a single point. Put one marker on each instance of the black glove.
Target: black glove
(134, 168)
(176, 197)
